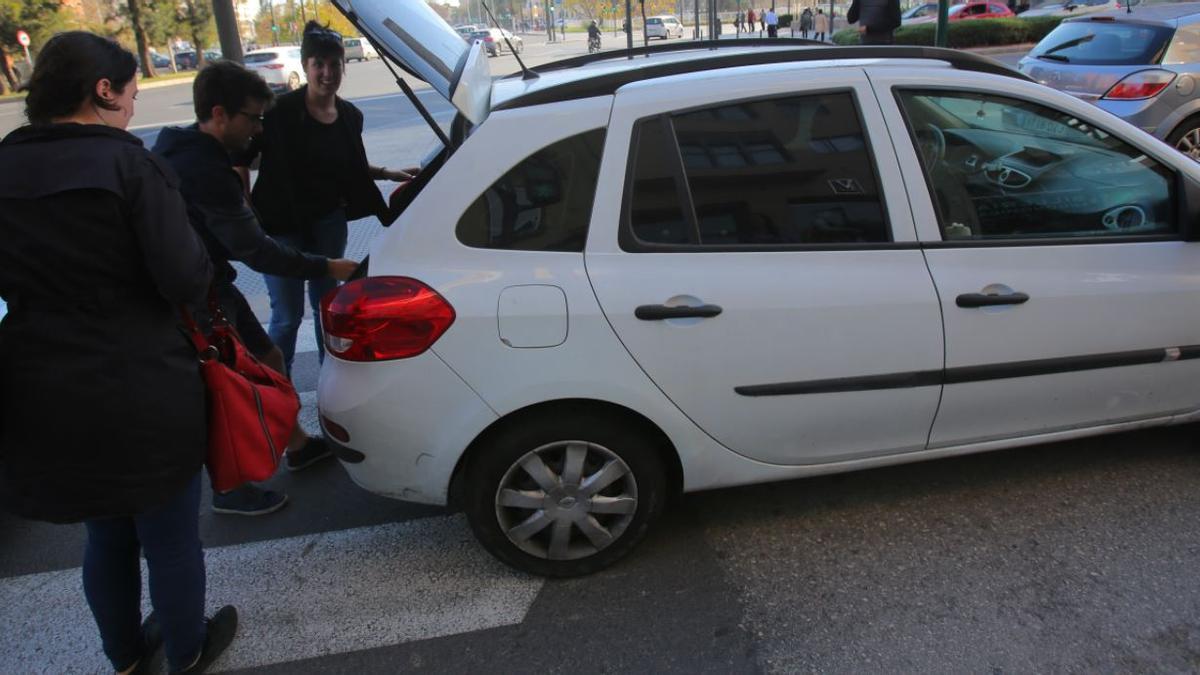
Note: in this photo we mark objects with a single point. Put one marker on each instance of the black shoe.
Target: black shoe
(220, 629)
(248, 500)
(313, 451)
(152, 641)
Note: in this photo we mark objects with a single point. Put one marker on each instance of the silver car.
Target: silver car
(1140, 65)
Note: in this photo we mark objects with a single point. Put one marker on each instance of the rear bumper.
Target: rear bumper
(1148, 115)
(409, 422)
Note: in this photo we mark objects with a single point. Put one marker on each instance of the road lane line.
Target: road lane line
(298, 598)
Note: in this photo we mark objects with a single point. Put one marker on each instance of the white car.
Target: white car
(281, 67)
(709, 267)
(665, 27)
(359, 49)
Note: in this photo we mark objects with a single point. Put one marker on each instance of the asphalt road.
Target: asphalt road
(1073, 557)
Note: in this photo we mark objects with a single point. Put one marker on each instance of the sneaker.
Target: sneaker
(313, 451)
(219, 632)
(248, 500)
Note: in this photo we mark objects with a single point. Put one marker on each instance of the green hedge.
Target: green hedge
(977, 33)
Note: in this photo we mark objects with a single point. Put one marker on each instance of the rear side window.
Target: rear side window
(261, 58)
(779, 172)
(1103, 43)
(1185, 48)
(544, 203)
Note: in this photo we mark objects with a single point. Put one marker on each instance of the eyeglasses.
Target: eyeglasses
(260, 118)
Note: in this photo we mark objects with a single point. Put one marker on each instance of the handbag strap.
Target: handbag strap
(205, 349)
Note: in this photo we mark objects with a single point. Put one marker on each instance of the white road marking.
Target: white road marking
(298, 598)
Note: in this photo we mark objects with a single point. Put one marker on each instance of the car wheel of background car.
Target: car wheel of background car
(293, 82)
(564, 496)
(1186, 137)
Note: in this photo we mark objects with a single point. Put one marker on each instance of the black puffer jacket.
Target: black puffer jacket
(102, 408)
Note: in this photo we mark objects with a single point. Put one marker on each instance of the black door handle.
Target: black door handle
(990, 299)
(660, 312)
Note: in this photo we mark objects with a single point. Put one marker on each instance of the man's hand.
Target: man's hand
(341, 268)
(403, 175)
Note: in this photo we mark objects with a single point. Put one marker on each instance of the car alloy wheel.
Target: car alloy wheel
(1189, 143)
(566, 500)
(566, 494)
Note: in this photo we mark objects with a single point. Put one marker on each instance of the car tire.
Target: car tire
(553, 526)
(293, 81)
(1186, 137)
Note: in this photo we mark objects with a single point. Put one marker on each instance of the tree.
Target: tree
(39, 18)
(134, 10)
(196, 18)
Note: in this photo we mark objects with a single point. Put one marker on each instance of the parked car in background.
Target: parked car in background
(720, 265)
(664, 26)
(970, 11)
(919, 12)
(185, 60)
(1079, 7)
(281, 67)
(493, 41)
(159, 61)
(467, 30)
(1142, 67)
(359, 49)
(211, 55)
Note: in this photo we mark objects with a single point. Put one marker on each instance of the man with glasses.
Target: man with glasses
(230, 102)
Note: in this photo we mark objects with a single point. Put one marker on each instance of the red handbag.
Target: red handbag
(251, 408)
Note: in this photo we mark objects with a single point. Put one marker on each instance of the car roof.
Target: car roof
(1142, 13)
(605, 72)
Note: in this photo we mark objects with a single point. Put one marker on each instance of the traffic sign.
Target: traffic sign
(23, 38)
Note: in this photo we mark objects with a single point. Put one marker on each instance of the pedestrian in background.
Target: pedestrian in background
(762, 21)
(820, 25)
(314, 178)
(772, 23)
(229, 102)
(877, 20)
(102, 407)
(750, 19)
(806, 22)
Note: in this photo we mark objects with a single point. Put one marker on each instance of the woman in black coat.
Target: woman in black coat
(102, 408)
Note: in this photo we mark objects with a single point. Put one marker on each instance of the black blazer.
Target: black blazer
(274, 191)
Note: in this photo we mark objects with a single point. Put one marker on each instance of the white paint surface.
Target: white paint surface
(298, 598)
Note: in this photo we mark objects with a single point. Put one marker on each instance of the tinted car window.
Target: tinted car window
(1101, 43)
(1003, 168)
(544, 203)
(1185, 47)
(261, 57)
(789, 171)
(653, 22)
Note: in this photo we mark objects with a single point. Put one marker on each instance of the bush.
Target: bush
(963, 34)
(785, 20)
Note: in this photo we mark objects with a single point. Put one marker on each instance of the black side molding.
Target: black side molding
(660, 312)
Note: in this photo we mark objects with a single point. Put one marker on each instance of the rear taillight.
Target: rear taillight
(383, 318)
(1144, 84)
(488, 39)
(274, 66)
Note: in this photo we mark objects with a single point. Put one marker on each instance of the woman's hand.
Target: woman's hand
(402, 175)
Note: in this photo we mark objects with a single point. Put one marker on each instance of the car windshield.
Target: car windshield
(1008, 116)
(261, 57)
(1104, 43)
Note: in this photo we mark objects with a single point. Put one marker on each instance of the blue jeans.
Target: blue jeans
(326, 237)
(169, 535)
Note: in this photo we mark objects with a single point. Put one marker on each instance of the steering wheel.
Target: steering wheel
(932, 144)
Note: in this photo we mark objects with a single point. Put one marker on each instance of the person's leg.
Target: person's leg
(287, 306)
(112, 584)
(329, 240)
(170, 536)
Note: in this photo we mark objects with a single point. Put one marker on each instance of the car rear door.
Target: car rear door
(752, 248)
(1070, 298)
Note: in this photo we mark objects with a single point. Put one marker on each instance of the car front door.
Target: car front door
(1070, 298)
(752, 248)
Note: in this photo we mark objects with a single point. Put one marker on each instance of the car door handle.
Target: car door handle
(660, 312)
(990, 299)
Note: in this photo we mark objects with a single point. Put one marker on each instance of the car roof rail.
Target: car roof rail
(800, 51)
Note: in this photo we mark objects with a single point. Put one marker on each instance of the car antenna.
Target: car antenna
(527, 74)
(412, 96)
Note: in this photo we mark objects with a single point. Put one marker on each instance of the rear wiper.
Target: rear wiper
(1068, 44)
(1054, 57)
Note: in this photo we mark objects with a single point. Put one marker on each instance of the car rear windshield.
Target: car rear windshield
(1103, 43)
(653, 22)
(480, 34)
(261, 57)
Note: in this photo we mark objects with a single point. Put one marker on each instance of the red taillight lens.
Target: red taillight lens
(383, 318)
(274, 66)
(1146, 84)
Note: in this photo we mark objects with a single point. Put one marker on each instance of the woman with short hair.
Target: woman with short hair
(102, 406)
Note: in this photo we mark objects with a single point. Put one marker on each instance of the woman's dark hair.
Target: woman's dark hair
(67, 70)
(320, 41)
